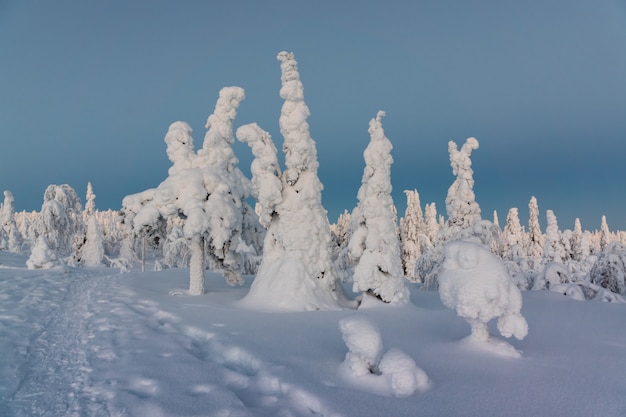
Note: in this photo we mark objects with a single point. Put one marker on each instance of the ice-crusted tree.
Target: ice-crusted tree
(374, 245)
(553, 249)
(296, 272)
(605, 234)
(535, 236)
(60, 224)
(461, 203)
(513, 236)
(13, 239)
(412, 233)
(432, 226)
(92, 251)
(206, 189)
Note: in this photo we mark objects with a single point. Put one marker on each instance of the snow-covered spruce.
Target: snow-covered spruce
(11, 238)
(296, 272)
(207, 190)
(461, 203)
(365, 367)
(92, 251)
(475, 283)
(374, 244)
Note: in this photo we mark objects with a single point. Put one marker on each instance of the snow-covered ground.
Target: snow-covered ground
(93, 342)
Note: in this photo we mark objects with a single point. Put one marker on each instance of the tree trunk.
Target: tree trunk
(196, 266)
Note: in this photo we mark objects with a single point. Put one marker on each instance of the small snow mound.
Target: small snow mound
(404, 376)
(287, 288)
(365, 346)
(491, 346)
(367, 369)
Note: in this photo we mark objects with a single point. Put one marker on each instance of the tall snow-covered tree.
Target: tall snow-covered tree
(12, 240)
(605, 234)
(92, 251)
(90, 202)
(206, 189)
(374, 243)
(553, 249)
(461, 203)
(412, 233)
(513, 236)
(432, 225)
(576, 241)
(296, 272)
(535, 236)
(60, 223)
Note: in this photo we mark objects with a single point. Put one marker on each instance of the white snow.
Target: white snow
(93, 342)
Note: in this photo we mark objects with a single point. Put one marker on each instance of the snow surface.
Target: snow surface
(94, 342)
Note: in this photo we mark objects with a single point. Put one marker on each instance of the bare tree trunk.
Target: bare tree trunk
(196, 266)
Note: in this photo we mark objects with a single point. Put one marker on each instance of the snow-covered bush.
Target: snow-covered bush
(41, 256)
(553, 274)
(609, 271)
(374, 244)
(366, 367)
(60, 222)
(475, 283)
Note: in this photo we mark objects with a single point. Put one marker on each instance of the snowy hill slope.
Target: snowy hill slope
(92, 342)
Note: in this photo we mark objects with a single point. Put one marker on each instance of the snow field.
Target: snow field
(90, 343)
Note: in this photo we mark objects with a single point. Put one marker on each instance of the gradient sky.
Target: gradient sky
(89, 88)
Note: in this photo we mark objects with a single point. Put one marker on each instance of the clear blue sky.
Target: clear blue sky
(89, 88)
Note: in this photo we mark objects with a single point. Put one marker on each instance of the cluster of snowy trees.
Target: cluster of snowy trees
(199, 217)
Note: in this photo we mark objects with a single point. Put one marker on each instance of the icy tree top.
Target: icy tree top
(216, 149)
(180, 149)
(299, 148)
(90, 201)
(377, 157)
(461, 203)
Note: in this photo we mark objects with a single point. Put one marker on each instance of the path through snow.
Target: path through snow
(84, 344)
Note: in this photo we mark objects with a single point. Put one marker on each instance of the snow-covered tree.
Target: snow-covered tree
(605, 234)
(92, 251)
(512, 236)
(374, 244)
(10, 237)
(535, 236)
(90, 203)
(553, 249)
(577, 241)
(432, 226)
(412, 233)
(206, 189)
(475, 283)
(461, 203)
(609, 271)
(60, 223)
(296, 272)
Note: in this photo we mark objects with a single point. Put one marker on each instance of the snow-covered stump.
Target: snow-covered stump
(368, 369)
(475, 283)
